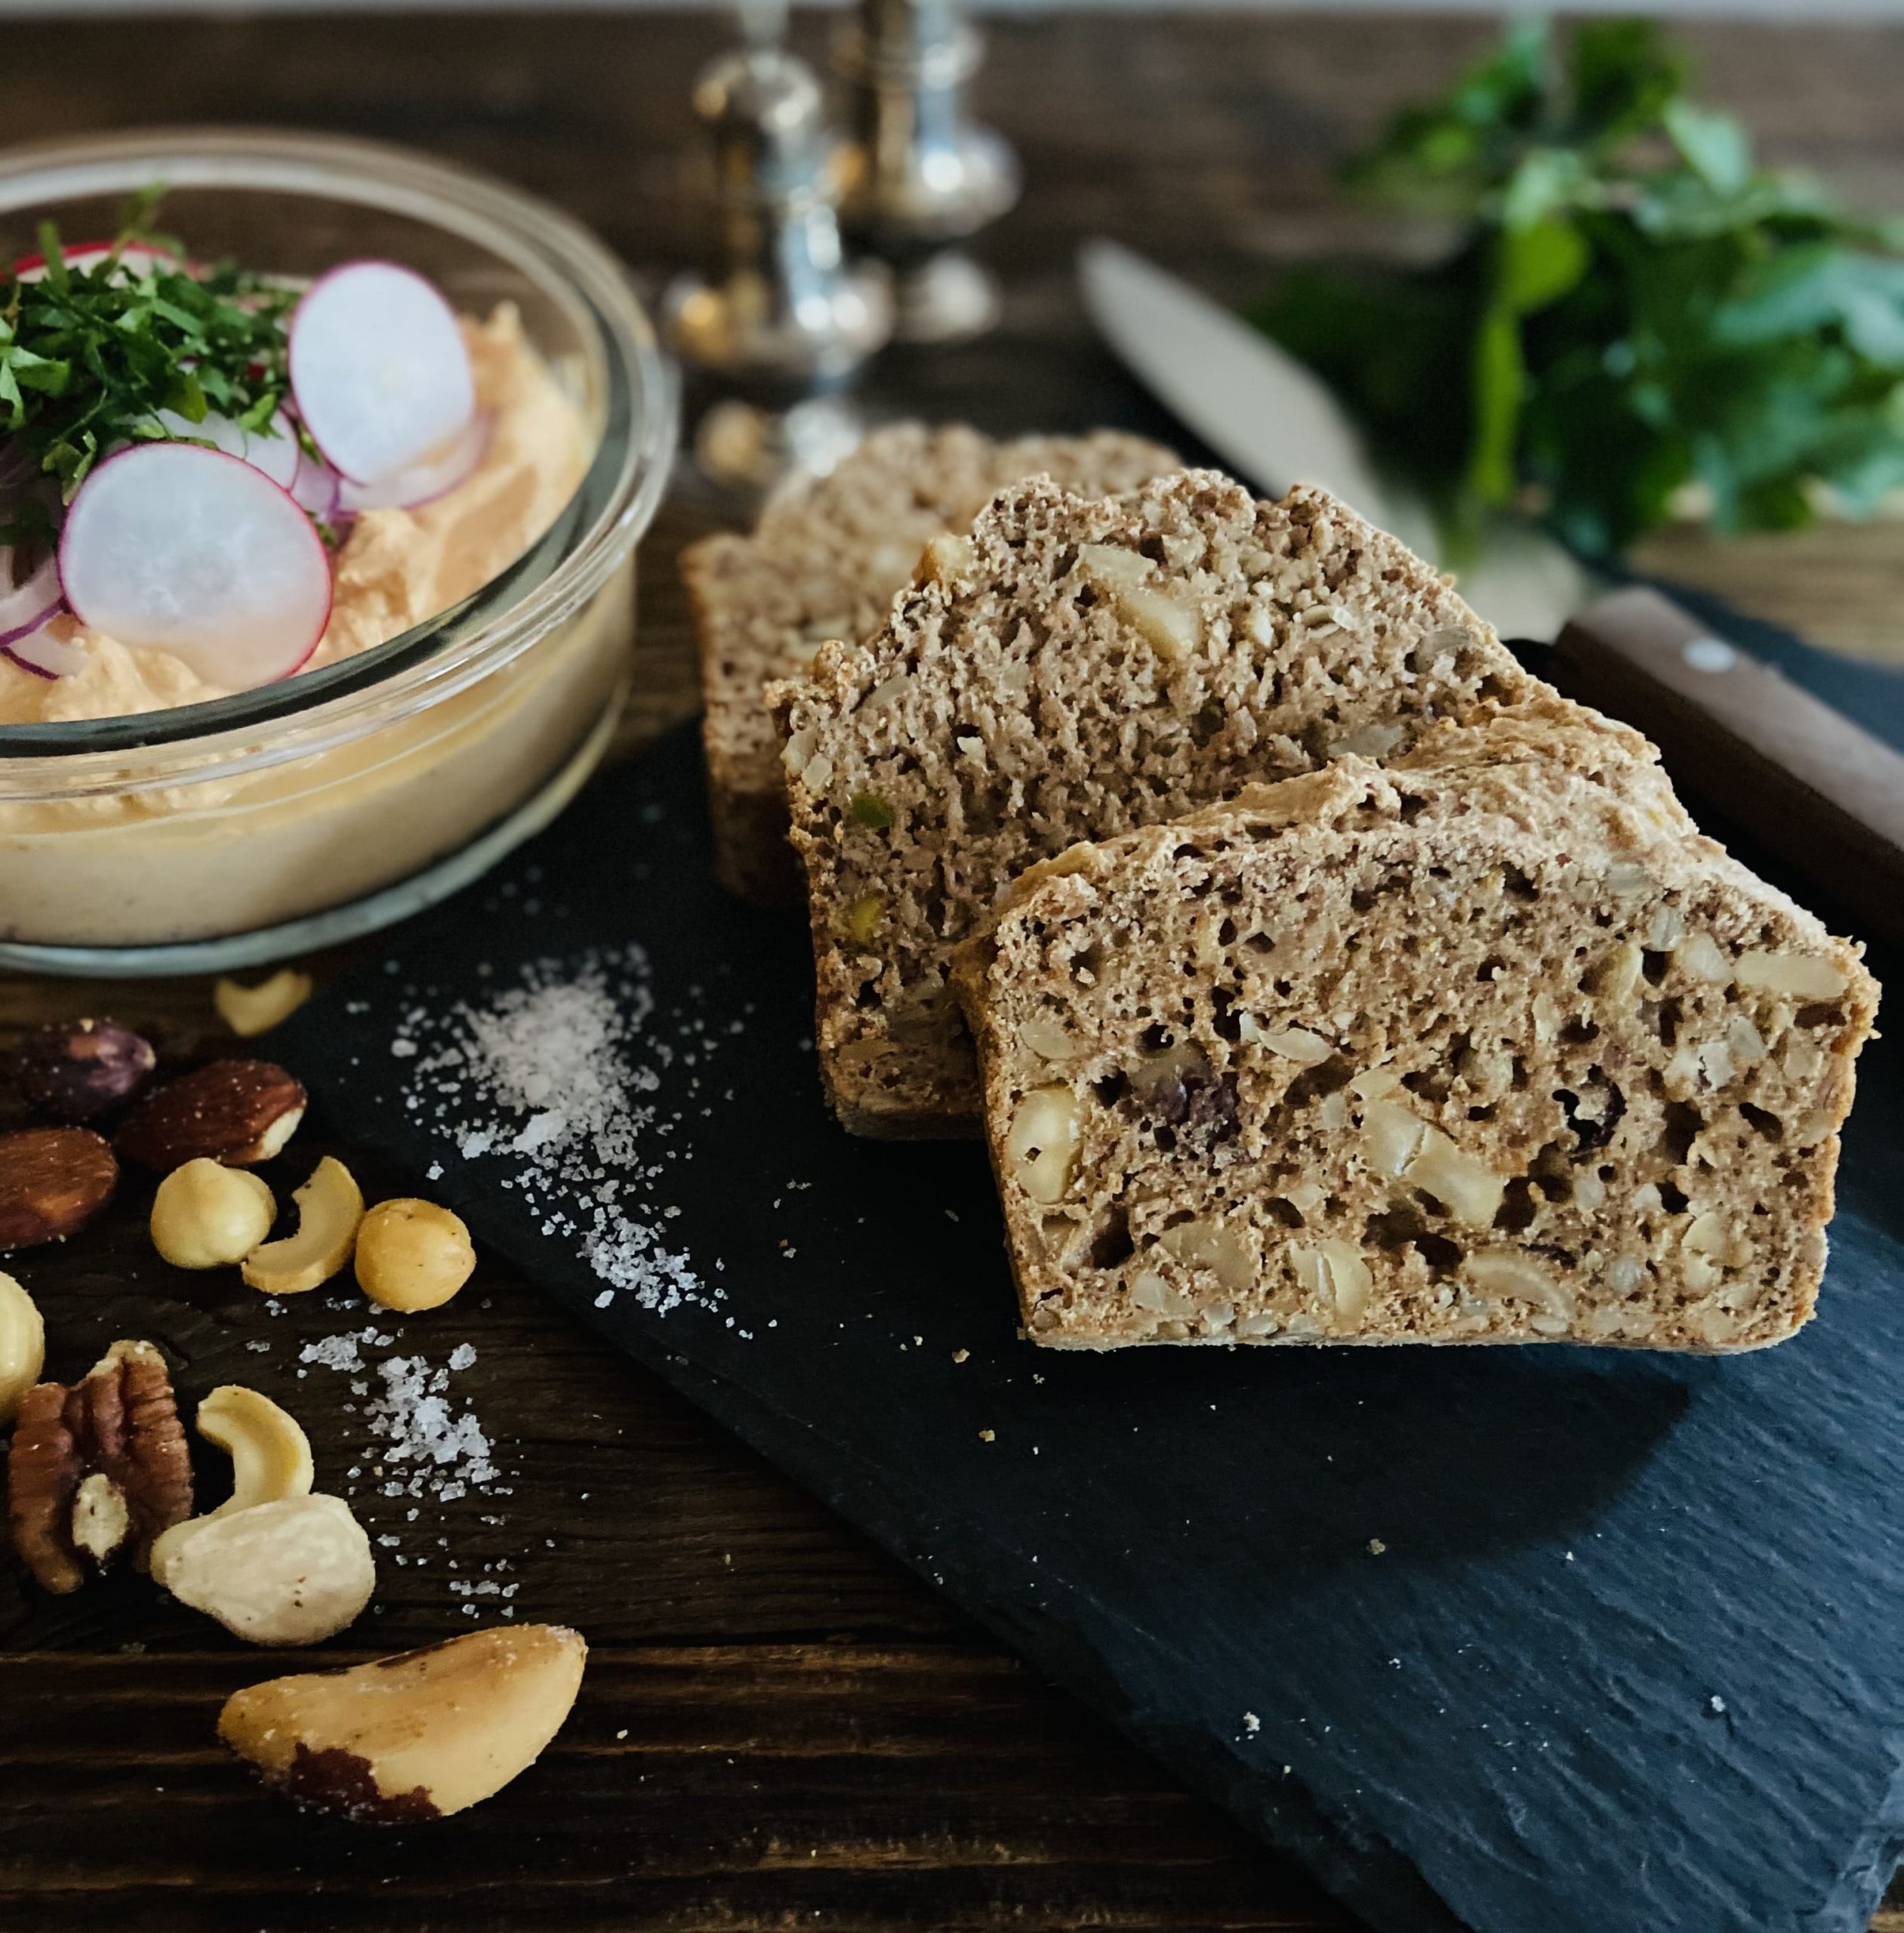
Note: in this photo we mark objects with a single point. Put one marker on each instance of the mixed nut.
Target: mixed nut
(99, 1471)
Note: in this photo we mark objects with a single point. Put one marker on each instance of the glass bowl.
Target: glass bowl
(334, 802)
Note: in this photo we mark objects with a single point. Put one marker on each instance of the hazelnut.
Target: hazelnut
(1165, 616)
(73, 1070)
(1802, 976)
(1335, 1273)
(415, 1736)
(1043, 1143)
(412, 1255)
(1499, 1275)
(1208, 1245)
(205, 1215)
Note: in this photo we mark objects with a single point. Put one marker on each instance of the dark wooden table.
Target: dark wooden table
(778, 1727)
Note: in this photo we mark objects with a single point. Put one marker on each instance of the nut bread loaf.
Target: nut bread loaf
(824, 561)
(1070, 670)
(1486, 1046)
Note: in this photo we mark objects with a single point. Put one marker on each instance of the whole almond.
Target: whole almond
(73, 1070)
(52, 1182)
(240, 1112)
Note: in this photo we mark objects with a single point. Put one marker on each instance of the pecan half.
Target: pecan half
(97, 1467)
(240, 1112)
(52, 1182)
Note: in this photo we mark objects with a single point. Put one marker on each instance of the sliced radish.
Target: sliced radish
(39, 651)
(316, 487)
(276, 457)
(424, 482)
(25, 606)
(379, 368)
(194, 552)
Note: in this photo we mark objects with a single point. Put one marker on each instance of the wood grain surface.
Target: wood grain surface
(778, 1728)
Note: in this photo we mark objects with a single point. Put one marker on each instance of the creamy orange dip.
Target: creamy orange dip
(396, 569)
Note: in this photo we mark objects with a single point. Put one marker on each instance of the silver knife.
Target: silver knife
(1277, 423)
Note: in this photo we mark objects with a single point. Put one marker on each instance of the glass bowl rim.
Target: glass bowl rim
(614, 504)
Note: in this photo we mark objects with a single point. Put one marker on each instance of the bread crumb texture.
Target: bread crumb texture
(824, 561)
(1488, 1045)
(1070, 670)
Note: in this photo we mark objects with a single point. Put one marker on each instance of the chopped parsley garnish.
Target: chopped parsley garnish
(94, 348)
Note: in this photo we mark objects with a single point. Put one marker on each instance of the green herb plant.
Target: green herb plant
(1635, 318)
(90, 351)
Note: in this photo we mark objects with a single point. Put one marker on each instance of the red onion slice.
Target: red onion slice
(191, 551)
(379, 369)
(24, 607)
(39, 651)
(424, 483)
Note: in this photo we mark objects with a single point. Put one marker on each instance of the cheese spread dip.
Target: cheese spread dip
(396, 568)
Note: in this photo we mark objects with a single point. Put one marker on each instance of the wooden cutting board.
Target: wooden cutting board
(1539, 1637)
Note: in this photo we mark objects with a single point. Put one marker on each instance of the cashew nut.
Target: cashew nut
(330, 1206)
(273, 1564)
(415, 1736)
(270, 1454)
(23, 1345)
(251, 1010)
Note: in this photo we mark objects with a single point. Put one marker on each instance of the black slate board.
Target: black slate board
(1537, 1639)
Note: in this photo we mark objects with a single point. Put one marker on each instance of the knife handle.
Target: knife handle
(1813, 786)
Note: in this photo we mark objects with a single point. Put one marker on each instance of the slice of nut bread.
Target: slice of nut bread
(824, 563)
(1486, 1046)
(1070, 670)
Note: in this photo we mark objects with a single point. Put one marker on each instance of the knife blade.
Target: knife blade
(1817, 789)
(1277, 423)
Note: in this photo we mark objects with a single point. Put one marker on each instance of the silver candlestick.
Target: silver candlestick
(779, 324)
(918, 176)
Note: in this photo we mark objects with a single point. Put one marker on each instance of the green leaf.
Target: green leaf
(1541, 263)
(186, 396)
(1714, 146)
(1499, 384)
(1807, 289)
(1623, 74)
(57, 277)
(1546, 183)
